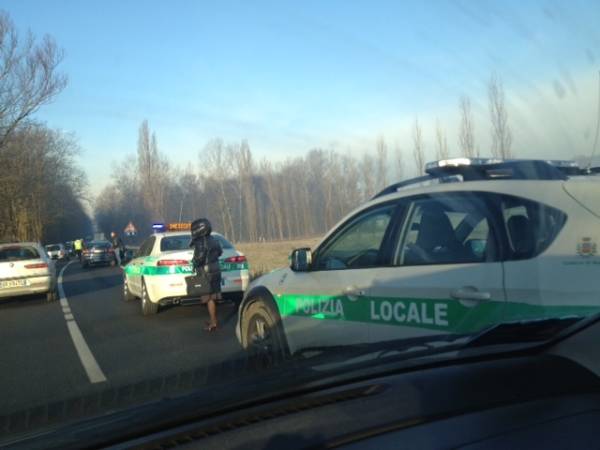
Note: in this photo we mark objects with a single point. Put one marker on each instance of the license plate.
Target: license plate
(13, 284)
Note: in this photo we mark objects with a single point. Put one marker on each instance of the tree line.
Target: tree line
(41, 185)
(253, 200)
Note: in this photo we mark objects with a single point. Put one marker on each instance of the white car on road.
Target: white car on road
(157, 272)
(56, 251)
(25, 269)
(472, 244)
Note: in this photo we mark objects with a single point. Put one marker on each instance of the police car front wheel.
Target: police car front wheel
(262, 334)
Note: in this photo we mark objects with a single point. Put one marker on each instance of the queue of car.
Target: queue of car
(453, 251)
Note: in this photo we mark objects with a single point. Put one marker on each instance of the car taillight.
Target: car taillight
(36, 266)
(236, 259)
(172, 262)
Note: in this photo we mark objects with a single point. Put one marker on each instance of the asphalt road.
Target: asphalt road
(40, 363)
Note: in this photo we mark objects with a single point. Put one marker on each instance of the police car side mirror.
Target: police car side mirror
(301, 259)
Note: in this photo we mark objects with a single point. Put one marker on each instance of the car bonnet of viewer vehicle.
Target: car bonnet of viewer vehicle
(445, 296)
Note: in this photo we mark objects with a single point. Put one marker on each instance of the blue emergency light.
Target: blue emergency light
(158, 227)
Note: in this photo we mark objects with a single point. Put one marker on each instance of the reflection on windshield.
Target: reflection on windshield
(349, 185)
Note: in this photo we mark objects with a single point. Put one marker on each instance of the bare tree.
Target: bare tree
(28, 75)
(399, 162)
(441, 143)
(501, 135)
(216, 167)
(381, 148)
(274, 195)
(418, 147)
(466, 134)
(152, 172)
(41, 187)
(245, 172)
(368, 175)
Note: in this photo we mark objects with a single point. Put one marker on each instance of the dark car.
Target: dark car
(97, 253)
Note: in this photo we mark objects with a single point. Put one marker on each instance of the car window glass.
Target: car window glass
(358, 245)
(171, 243)
(146, 247)
(100, 245)
(225, 244)
(531, 227)
(446, 230)
(182, 242)
(18, 253)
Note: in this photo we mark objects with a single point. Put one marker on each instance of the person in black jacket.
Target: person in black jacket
(206, 259)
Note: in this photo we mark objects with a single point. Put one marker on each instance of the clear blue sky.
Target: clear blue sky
(290, 76)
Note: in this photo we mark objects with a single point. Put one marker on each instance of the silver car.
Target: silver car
(25, 269)
(56, 251)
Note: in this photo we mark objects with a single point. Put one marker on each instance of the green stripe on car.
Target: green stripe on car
(435, 314)
(150, 270)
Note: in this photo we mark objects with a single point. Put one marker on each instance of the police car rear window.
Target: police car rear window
(531, 227)
(52, 248)
(172, 243)
(18, 253)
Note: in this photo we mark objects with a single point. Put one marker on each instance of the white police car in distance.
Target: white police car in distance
(157, 272)
(473, 243)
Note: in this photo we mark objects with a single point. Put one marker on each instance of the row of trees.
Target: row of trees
(250, 200)
(246, 199)
(501, 135)
(41, 186)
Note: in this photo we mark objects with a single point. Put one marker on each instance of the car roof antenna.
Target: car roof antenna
(597, 128)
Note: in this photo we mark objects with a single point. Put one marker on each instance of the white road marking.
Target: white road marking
(89, 363)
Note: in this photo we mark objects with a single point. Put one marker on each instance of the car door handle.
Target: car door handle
(470, 293)
(353, 292)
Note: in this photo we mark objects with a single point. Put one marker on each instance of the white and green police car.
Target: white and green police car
(473, 243)
(156, 275)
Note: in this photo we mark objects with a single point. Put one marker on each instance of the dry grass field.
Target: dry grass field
(266, 256)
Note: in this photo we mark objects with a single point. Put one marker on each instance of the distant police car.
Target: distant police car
(473, 243)
(157, 273)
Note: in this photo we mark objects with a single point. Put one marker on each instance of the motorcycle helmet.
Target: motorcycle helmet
(200, 228)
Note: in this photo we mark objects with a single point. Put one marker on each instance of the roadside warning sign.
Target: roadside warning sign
(130, 229)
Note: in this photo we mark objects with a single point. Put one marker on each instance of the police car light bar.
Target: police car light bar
(458, 162)
(473, 162)
(179, 226)
(157, 227)
(494, 168)
(479, 169)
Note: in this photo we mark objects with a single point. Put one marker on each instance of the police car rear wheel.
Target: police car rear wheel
(148, 308)
(263, 335)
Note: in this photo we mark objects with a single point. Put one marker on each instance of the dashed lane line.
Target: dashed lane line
(89, 363)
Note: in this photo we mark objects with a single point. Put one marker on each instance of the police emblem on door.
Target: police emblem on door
(587, 247)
